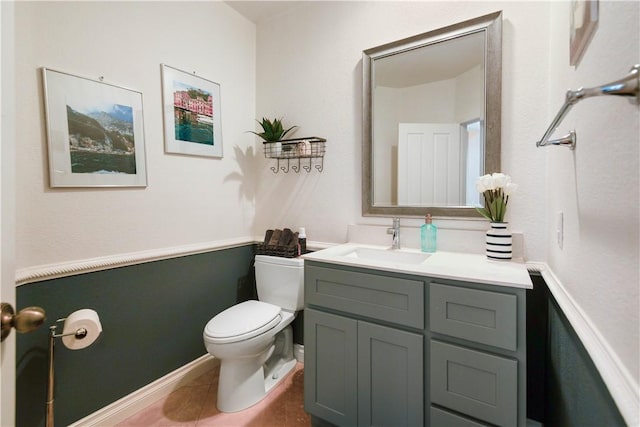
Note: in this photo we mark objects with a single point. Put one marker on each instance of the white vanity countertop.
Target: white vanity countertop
(447, 265)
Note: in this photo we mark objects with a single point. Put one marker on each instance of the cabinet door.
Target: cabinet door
(330, 380)
(390, 376)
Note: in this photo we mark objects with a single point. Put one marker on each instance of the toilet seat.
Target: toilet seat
(242, 321)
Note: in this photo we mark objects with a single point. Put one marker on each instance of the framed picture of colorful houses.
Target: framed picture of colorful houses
(191, 110)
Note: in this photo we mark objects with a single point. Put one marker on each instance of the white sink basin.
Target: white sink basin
(388, 255)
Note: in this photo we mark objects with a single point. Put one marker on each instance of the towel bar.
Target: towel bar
(627, 86)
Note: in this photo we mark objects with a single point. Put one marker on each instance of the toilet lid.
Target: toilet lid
(242, 321)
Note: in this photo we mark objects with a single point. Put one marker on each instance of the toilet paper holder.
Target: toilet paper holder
(80, 333)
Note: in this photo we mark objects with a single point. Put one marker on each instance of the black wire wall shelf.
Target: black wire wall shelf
(296, 154)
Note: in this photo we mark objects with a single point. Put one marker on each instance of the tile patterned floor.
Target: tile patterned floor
(194, 405)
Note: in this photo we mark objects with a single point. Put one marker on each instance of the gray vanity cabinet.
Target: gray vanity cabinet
(363, 364)
(390, 349)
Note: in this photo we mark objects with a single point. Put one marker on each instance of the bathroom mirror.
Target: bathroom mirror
(432, 119)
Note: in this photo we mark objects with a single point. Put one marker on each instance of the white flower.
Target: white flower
(500, 180)
(484, 183)
(495, 189)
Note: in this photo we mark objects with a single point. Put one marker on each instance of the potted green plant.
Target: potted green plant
(272, 134)
(272, 131)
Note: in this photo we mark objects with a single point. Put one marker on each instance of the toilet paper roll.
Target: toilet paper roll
(82, 319)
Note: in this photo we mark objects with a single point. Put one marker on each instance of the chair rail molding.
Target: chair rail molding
(70, 268)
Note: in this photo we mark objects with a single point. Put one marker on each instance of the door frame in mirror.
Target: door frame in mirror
(491, 25)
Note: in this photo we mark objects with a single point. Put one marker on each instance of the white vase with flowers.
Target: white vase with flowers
(496, 189)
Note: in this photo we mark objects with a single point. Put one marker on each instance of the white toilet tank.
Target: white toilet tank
(280, 281)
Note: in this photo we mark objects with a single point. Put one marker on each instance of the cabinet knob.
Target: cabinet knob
(26, 320)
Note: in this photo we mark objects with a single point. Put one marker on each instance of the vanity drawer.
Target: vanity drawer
(475, 315)
(442, 418)
(390, 299)
(482, 385)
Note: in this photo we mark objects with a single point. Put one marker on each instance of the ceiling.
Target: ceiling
(400, 70)
(258, 11)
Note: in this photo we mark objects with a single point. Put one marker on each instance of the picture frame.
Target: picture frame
(95, 132)
(192, 114)
(584, 21)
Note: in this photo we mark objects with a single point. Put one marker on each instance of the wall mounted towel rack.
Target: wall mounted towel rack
(627, 86)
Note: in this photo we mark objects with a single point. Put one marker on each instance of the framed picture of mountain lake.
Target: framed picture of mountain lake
(191, 108)
(95, 132)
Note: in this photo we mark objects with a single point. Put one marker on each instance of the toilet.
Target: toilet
(253, 340)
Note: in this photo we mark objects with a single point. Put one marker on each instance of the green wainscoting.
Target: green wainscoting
(576, 395)
(564, 388)
(152, 315)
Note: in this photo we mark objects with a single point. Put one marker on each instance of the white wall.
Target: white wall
(469, 95)
(309, 71)
(314, 81)
(597, 186)
(426, 103)
(314, 78)
(188, 199)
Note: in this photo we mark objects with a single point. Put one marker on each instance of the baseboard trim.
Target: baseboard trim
(620, 383)
(133, 403)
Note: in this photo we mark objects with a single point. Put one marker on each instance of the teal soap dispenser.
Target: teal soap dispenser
(428, 235)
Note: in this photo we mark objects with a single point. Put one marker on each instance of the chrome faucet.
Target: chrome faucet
(395, 231)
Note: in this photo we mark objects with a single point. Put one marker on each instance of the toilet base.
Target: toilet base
(277, 368)
(245, 382)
